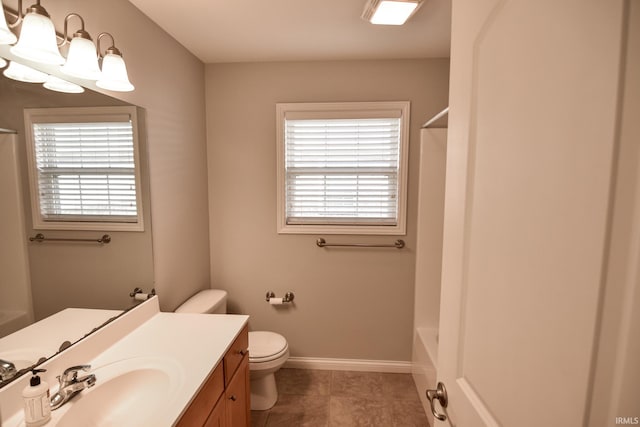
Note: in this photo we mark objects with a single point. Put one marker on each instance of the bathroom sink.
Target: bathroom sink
(127, 393)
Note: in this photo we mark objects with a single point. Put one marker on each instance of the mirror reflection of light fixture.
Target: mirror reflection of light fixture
(82, 59)
(390, 12)
(6, 36)
(59, 85)
(22, 73)
(37, 41)
(114, 71)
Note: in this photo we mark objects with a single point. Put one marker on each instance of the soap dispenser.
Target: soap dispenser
(37, 408)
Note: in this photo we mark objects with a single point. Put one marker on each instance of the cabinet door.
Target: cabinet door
(217, 416)
(237, 397)
(200, 407)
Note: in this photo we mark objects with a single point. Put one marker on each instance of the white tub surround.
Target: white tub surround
(16, 308)
(13, 320)
(139, 344)
(426, 321)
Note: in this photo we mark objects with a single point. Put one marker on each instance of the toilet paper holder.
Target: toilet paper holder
(288, 297)
(138, 295)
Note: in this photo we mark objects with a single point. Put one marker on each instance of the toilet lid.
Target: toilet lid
(265, 345)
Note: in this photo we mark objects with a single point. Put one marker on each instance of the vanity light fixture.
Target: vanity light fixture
(390, 12)
(3, 63)
(37, 41)
(6, 36)
(23, 73)
(82, 59)
(114, 71)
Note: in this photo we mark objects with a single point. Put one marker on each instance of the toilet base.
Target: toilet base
(264, 392)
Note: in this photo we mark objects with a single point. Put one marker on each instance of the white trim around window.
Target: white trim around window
(352, 183)
(84, 168)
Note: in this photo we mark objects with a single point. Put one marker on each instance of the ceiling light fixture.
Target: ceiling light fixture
(390, 12)
(38, 43)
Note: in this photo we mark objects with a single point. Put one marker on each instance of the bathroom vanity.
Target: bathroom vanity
(224, 399)
(151, 369)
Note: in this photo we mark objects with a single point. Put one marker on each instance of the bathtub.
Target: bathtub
(424, 362)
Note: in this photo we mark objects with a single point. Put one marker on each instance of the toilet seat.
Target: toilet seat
(265, 346)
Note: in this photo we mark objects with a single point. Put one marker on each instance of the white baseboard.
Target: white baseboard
(393, 366)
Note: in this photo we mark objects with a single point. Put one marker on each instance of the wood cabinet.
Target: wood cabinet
(223, 401)
(237, 396)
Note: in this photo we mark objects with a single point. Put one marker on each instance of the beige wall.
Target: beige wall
(169, 84)
(349, 303)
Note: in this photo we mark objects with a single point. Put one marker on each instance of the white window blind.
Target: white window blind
(342, 171)
(86, 171)
(84, 168)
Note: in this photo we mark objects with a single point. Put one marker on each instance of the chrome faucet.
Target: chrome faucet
(70, 385)
(7, 370)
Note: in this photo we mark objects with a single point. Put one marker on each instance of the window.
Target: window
(84, 168)
(342, 167)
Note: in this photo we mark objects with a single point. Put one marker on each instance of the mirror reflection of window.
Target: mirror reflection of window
(83, 166)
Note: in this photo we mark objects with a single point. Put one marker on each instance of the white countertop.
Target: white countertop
(191, 344)
(197, 342)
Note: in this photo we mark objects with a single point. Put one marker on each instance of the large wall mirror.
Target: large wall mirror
(59, 275)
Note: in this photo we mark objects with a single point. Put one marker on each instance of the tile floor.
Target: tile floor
(310, 398)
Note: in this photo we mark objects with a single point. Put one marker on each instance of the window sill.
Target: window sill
(381, 230)
(89, 226)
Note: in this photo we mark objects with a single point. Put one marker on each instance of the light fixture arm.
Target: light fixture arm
(36, 8)
(17, 14)
(111, 49)
(80, 33)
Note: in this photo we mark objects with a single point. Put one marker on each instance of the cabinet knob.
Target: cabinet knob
(243, 352)
(233, 397)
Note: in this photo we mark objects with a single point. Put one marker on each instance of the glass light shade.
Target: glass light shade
(37, 40)
(114, 74)
(393, 12)
(3, 63)
(23, 73)
(6, 36)
(59, 85)
(82, 60)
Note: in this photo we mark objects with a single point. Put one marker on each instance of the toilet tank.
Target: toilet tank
(209, 301)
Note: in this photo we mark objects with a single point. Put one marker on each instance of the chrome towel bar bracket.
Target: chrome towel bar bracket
(398, 244)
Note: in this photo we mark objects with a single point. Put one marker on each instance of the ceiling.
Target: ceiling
(298, 30)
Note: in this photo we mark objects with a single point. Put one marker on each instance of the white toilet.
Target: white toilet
(268, 351)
